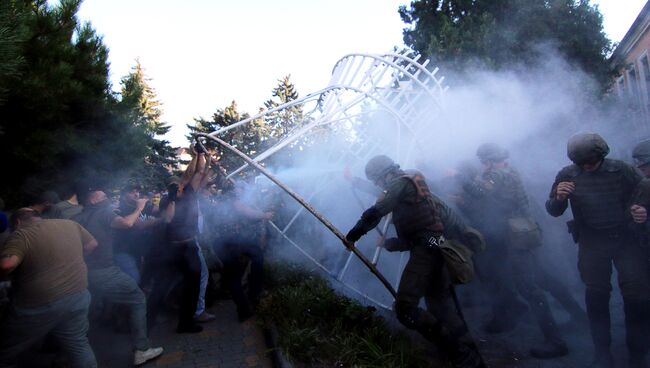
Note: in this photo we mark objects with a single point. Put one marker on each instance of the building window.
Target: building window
(633, 86)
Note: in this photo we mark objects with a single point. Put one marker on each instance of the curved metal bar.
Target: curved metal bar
(400, 68)
(309, 208)
(293, 137)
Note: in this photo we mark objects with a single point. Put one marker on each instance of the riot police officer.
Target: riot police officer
(422, 222)
(512, 239)
(599, 191)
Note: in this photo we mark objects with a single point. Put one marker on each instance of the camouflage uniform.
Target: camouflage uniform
(600, 206)
(420, 222)
(511, 268)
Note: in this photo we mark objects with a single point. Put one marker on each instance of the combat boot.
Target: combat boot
(636, 328)
(549, 349)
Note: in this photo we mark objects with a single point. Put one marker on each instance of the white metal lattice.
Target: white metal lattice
(404, 93)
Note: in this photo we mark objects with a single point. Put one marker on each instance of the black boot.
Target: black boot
(553, 345)
(460, 350)
(636, 328)
(599, 323)
(599, 320)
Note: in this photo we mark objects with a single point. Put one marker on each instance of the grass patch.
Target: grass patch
(319, 328)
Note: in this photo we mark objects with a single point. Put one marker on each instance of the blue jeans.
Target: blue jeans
(200, 304)
(65, 319)
(128, 264)
(116, 287)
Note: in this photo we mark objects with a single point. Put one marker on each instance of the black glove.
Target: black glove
(172, 192)
(354, 234)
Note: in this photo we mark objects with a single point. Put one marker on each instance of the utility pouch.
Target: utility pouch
(458, 259)
(572, 226)
(524, 233)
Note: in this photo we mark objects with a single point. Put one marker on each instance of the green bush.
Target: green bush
(319, 328)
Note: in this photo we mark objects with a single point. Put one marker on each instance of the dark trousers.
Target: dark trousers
(181, 261)
(235, 256)
(425, 276)
(598, 251)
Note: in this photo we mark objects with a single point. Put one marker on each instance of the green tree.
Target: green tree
(251, 138)
(10, 37)
(140, 106)
(502, 33)
(285, 120)
(59, 118)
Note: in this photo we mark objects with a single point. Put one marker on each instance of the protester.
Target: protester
(109, 283)
(45, 258)
(182, 252)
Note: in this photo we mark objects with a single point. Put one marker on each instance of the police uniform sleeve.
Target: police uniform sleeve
(554, 207)
(641, 197)
(372, 216)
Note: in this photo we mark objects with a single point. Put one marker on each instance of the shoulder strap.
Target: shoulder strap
(424, 194)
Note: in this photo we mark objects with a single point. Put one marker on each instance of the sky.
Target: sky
(203, 54)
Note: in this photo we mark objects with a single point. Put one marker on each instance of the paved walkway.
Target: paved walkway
(223, 343)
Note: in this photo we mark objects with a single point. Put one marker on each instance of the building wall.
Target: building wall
(632, 83)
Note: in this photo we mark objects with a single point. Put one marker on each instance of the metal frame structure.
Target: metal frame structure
(393, 85)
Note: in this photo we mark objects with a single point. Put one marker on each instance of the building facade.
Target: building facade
(631, 64)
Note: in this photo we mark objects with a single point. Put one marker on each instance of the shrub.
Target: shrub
(319, 328)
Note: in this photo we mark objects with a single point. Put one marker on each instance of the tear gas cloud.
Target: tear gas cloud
(531, 111)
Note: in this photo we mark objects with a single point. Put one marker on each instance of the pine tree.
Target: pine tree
(251, 138)
(10, 37)
(59, 117)
(140, 106)
(284, 121)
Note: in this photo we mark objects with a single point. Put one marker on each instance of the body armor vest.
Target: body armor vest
(417, 213)
(600, 198)
(510, 199)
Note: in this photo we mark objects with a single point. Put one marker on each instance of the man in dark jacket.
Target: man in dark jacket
(599, 191)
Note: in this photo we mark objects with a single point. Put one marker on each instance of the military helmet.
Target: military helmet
(641, 153)
(379, 166)
(492, 152)
(583, 148)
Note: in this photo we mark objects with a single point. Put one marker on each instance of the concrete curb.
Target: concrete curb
(278, 360)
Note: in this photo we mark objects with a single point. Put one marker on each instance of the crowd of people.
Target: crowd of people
(96, 258)
(81, 256)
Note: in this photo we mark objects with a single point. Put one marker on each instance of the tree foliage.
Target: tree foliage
(139, 105)
(250, 138)
(260, 134)
(285, 120)
(10, 35)
(501, 33)
(59, 117)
